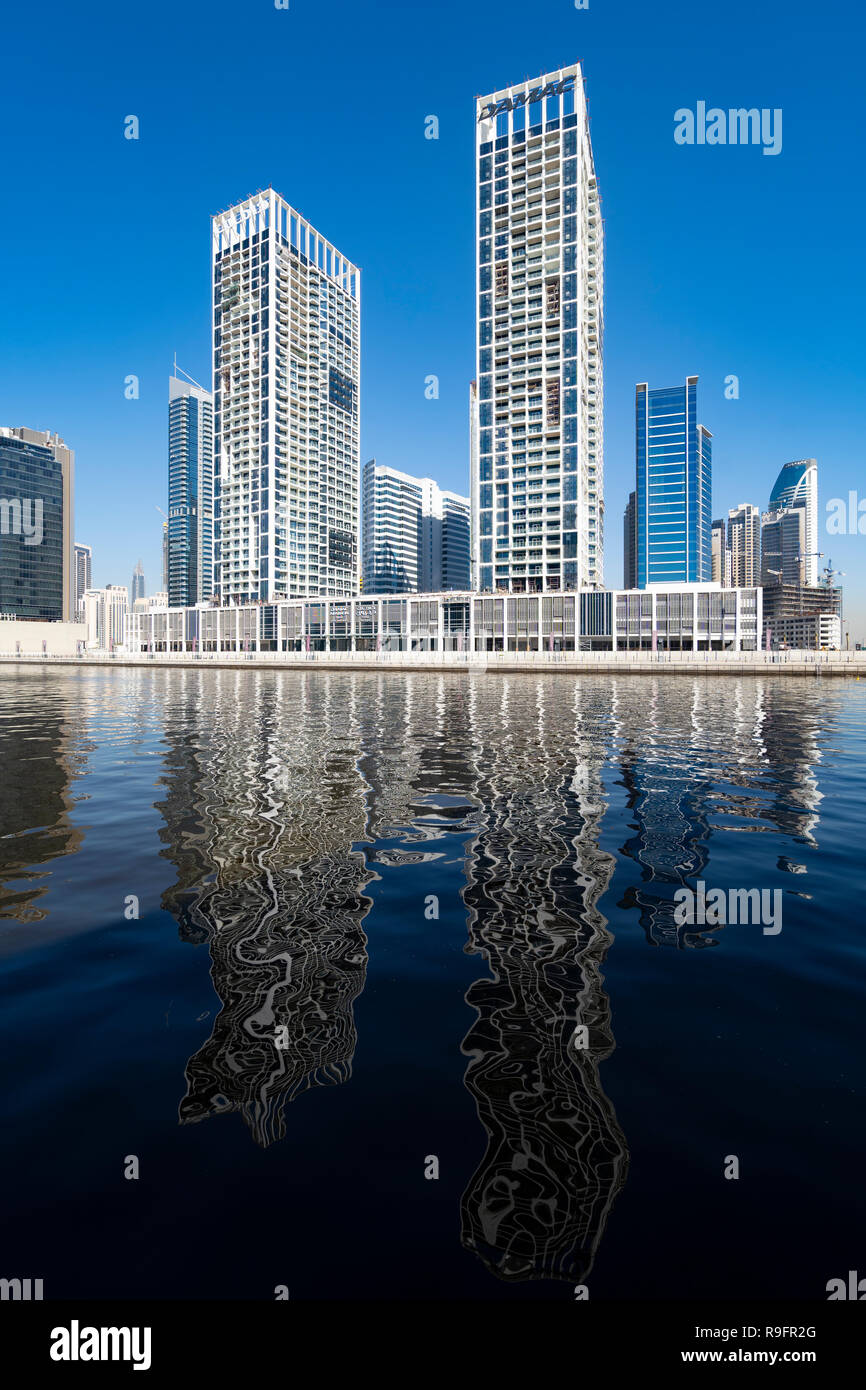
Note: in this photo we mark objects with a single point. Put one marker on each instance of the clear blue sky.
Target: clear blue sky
(719, 260)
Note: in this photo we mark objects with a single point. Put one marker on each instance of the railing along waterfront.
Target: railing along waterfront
(637, 662)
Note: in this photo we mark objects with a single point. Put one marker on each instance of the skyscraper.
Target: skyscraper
(37, 570)
(797, 487)
(190, 492)
(537, 448)
(674, 486)
(138, 587)
(83, 578)
(783, 547)
(286, 343)
(629, 543)
(744, 545)
(416, 534)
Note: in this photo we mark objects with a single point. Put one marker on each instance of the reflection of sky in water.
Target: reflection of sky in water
(296, 826)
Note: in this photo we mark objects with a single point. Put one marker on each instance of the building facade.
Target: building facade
(783, 547)
(797, 488)
(37, 562)
(107, 615)
(681, 618)
(537, 452)
(447, 559)
(391, 547)
(190, 492)
(415, 534)
(797, 615)
(744, 545)
(629, 543)
(83, 577)
(673, 485)
(286, 361)
(720, 570)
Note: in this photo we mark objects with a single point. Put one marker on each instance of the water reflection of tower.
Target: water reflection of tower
(537, 1205)
(35, 825)
(709, 757)
(669, 801)
(264, 802)
(793, 729)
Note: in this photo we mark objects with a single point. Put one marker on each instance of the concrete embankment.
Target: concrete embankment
(820, 664)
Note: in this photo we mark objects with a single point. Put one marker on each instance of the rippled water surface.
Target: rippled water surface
(386, 920)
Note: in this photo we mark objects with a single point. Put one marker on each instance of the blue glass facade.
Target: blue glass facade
(190, 495)
(35, 487)
(673, 487)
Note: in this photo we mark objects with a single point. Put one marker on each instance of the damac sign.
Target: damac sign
(510, 104)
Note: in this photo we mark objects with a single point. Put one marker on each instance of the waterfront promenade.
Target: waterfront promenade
(781, 663)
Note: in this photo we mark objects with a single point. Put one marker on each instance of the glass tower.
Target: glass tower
(797, 488)
(673, 485)
(286, 360)
(37, 567)
(537, 484)
(190, 494)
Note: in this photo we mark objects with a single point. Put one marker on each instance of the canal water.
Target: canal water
(381, 984)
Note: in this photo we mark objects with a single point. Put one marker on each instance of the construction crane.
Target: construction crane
(828, 575)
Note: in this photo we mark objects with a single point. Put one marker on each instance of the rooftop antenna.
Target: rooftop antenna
(187, 375)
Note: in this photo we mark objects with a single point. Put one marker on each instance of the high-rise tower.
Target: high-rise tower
(537, 444)
(286, 325)
(797, 487)
(190, 493)
(674, 486)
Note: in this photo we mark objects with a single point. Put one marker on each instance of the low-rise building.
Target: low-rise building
(686, 617)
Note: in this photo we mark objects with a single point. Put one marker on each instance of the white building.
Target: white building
(797, 488)
(286, 345)
(684, 617)
(537, 457)
(106, 616)
(144, 605)
(743, 567)
(83, 577)
(415, 534)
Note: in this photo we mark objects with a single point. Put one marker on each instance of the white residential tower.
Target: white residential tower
(537, 461)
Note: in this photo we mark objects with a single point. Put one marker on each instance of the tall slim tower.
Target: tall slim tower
(190, 493)
(537, 456)
(83, 578)
(797, 487)
(286, 357)
(138, 587)
(629, 543)
(744, 545)
(674, 486)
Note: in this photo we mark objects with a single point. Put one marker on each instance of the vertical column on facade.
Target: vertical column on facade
(440, 625)
(380, 636)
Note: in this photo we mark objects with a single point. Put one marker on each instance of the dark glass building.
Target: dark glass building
(37, 573)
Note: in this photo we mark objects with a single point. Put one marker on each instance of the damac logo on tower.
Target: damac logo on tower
(511, 103)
